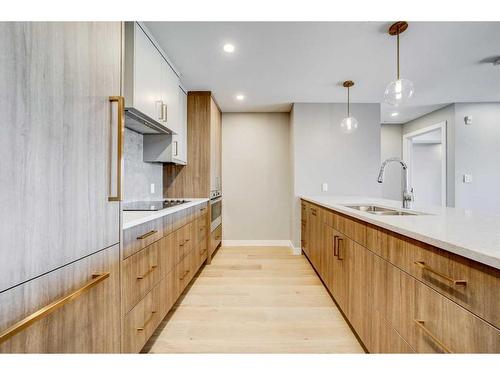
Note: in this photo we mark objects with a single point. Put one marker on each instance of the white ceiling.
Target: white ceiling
(279, 63)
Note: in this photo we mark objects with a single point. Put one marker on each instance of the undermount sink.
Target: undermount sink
(379, 210)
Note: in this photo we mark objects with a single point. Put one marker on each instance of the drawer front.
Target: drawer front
(472, 285)
(201, 210)
(183, 242)
(89, 323)
(441, 325)
(140, 236)
(179, 219)
(201, 229)
(202, 253)
(168, 292)
(168, 224)
(183, 274)
(141, 272)
(141, 321)
(167, 254)
(215, 238)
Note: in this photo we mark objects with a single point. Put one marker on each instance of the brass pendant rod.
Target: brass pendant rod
(398, 52)
(348, 111)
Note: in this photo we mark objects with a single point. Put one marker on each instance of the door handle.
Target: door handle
(335, 250)
(120, 100)
(339, 241)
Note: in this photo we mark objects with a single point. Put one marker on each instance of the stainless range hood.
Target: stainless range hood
(141, 123)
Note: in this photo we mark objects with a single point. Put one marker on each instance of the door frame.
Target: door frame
(407, 155)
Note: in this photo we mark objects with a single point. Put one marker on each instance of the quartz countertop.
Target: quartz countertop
(132, 218)
(469, 233)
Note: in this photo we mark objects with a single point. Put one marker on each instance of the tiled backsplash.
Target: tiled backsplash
(138, 175)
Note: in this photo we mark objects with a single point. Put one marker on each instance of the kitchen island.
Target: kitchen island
(427, 281)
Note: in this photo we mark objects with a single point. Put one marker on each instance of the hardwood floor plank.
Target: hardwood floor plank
(255, 300)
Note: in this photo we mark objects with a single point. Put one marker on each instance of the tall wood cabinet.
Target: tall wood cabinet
(203, 170)
(60, 156)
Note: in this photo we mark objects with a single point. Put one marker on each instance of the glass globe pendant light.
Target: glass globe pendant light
(348, 124)
(400, 90)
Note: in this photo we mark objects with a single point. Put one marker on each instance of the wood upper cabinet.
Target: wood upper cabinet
(86, 318)
(58, 144)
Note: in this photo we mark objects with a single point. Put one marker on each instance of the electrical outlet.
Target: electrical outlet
(152, 189)
(324, 187)
(467, 178)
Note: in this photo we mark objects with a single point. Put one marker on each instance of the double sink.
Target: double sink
(383, 211)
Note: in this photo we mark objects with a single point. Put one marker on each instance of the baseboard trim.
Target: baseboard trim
(281, 243)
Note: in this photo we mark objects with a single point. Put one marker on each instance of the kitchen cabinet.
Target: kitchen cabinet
(162, 257)
(403, 296)
(60, 146)
(202, 174)
(74, 309)
(169, 148)
(150, 85)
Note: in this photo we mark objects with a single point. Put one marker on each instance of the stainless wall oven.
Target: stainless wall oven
(215, 209)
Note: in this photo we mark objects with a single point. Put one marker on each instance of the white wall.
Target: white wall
(444, 114)
(426, 159)
(321, 153)
(391, 145)
(256, 170)
(477, 151)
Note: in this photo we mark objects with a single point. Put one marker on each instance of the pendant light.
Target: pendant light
(349, 124)
(400, 90)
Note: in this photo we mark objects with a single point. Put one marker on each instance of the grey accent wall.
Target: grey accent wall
(477, 151)
(444, 114)
(321, 153)
(256, 174)
(391, 145)
(138, 175)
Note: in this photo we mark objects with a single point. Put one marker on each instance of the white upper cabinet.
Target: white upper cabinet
(150, 85)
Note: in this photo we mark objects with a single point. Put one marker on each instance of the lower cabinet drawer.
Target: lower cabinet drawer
(470, 284)
(168, 292)
(140, 323)
(183, 271)
(215, 238)
(167, 254)
(385, 339)
(141, 272)
(182, 242)
(140, 236)
(86, 317)
(441, 325)
(200, 210)
(200, 229)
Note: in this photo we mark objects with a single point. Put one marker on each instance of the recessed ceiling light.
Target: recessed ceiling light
(394, 114)
(240, 97)
(229, 48)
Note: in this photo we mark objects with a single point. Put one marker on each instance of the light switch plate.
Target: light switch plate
(467, 178)
(152, 189)
(324, 187)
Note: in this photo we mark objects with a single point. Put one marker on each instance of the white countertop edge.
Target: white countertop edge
(468, 253)
(132, 218)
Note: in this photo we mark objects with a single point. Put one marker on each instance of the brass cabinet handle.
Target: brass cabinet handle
(313, 211)
(203, 251)
(335, 250)
(147, 321)
(421, 324)
(146, 235)
(202, 228)
(120, 100)
(425, 267)
(47, 310)
(339, 241)
(203, 209)
(184, 276)
(186, 241)
(151, 269)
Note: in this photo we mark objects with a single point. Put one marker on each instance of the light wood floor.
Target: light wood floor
(255, 300)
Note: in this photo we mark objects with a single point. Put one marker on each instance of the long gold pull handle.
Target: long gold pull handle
(203, 251)
(425, 267)
(340, 240)
(119, 139)
(47, 310)
(335, 246)
(147, 321)
(184, 276)
(146, 235)
(151, 269)
(421, 324)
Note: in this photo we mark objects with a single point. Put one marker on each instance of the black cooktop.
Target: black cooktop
(152, 205)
